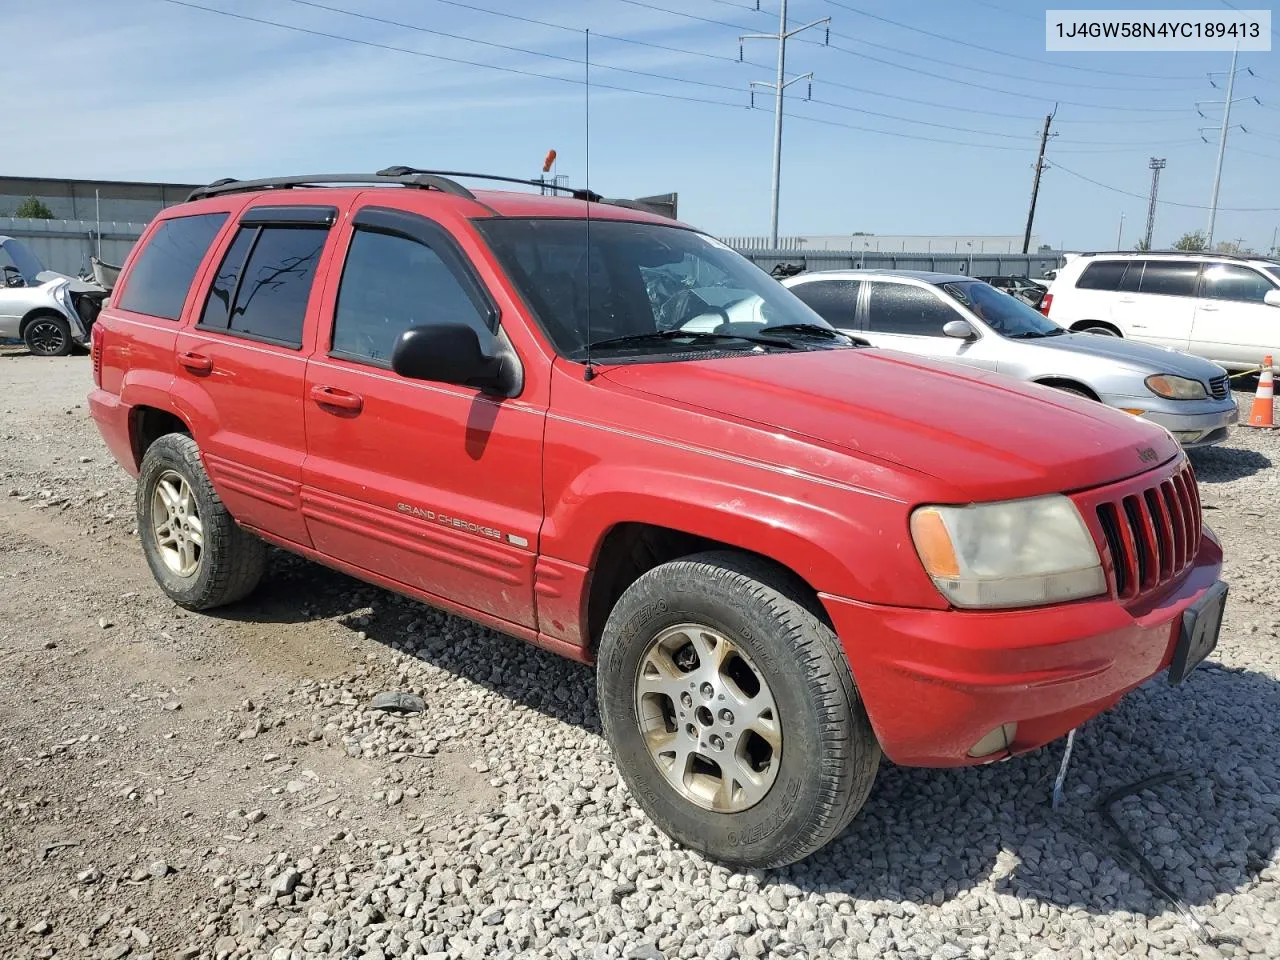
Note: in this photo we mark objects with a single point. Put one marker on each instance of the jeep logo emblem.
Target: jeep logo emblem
(1147, 454)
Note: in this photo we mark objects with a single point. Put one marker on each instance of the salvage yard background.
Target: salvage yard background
(178, 785)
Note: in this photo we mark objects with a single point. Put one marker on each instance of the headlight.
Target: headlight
(1176, 388)
(1018, 553)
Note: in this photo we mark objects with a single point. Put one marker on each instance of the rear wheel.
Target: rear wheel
(732, 712)
(198, 554)
(48, 336)
(1097, 328)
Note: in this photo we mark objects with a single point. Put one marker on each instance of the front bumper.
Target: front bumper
(935, 682)
(1194, 423)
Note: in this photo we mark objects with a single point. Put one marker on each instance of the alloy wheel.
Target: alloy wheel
(46, 338)
(708, 718)
(175, 524)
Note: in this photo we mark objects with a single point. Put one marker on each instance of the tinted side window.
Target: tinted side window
(1226, 281)
(1170, 278)
(217, 307)
(390, 284)
(1131, 282)
(901, 308)
(833, 300)
(160, 277)
(1103, 275)
(271, 301)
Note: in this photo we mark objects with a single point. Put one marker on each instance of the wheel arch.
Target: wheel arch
(629, 549)
(147, 424)
(36, 313)
(1082, 326)
(1068, 383)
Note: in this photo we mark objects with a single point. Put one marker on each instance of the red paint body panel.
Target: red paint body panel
(936, 682)
(497, 508)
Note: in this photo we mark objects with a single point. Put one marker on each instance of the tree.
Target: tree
(1234, 247)
(1142, 245)
(1192, 242)
(33, 208)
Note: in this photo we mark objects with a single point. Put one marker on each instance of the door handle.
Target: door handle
(1208, 306)
(195, 362)
(338, 399)
(1127, 300)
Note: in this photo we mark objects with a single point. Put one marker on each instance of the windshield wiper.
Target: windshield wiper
(814, 329)
(660, 336)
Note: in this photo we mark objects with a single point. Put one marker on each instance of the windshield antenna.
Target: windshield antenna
(588, 372)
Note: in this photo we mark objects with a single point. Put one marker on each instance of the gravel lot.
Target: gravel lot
(177, 785)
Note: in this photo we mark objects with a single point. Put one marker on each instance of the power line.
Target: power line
(508, 47)
(578, 82)
(1002, 53)
(446, 59)
(1170, 203)
(1039, 98)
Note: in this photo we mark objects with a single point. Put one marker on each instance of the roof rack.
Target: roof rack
(441, 180)
(1181, 253)
(423, 180)
(577, 193)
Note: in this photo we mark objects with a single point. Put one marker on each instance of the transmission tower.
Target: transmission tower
(1157, 164)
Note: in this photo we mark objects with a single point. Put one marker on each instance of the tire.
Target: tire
(767, 807)
(1097, 329)
(227, 563)
(1074, 391)
(48, 336)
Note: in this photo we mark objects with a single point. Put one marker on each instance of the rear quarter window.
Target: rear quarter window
(161, 275)
(1102, 275)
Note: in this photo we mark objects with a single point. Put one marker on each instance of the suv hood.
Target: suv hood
(1143, 357)
(988, 437)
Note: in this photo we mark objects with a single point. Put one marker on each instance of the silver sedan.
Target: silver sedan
(961, 319)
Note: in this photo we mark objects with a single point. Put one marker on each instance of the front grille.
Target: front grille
(1220, 387)
(1152, 533)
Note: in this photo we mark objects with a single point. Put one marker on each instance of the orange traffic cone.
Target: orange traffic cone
(1263, 413)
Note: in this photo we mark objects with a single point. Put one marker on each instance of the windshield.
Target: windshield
(1006, 315)
(642, 280)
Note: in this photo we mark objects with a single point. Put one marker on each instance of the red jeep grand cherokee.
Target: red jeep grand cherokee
(606, 433)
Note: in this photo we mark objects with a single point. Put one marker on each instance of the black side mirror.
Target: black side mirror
(451, 353)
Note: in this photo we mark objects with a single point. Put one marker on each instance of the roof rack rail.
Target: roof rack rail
(577, 193)
(421, 179)
(1199, 253)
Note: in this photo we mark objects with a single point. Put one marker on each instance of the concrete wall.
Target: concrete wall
(66, 245)
(75, 199)
(891, 243)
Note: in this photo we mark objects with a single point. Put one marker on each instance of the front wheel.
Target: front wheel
(48, 336)
(732, 712)
(1098, 330)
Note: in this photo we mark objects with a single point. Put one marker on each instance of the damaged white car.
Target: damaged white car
(50, 312)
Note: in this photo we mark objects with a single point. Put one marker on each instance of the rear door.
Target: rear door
(900, 315)
(834, 299)
(430, 485)
(1156, 302)
(1233, 325)
(241, 368)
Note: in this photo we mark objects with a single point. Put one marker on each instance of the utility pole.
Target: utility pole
(779, 87)
(1156, 164)
(1035, 185)
(1222, 137)
(1120, 232)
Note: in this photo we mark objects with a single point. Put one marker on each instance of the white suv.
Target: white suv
(1223, 308)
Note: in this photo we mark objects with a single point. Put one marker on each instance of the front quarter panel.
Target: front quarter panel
(837, 520)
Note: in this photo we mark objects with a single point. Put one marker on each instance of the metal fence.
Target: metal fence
(66, 245)
(977, 265)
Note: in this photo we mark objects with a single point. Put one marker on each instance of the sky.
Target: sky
(924, 115)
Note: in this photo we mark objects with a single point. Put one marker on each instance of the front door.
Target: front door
(430, 485)
(1233, 324)
(899, 315)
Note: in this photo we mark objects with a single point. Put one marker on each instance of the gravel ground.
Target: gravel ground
(174, 785)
